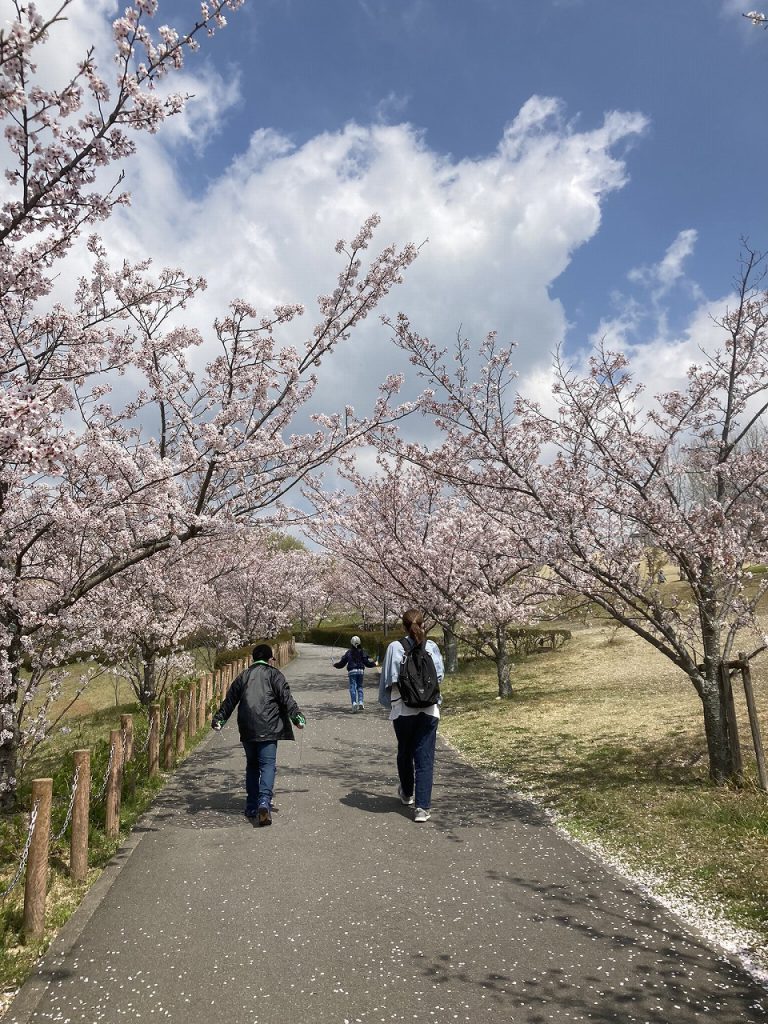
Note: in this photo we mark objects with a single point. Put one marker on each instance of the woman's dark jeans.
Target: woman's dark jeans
(416, 736)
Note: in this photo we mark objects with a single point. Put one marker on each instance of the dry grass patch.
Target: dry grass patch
(609, 733)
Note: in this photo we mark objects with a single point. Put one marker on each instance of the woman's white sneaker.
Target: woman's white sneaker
(421, 815)
(406, 800)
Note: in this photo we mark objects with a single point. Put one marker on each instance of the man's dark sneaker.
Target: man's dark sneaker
(251, 813)
(265, 817)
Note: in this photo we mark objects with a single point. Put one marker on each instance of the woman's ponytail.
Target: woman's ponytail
(413, 621)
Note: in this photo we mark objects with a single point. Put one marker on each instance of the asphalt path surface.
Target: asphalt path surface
(345, 911)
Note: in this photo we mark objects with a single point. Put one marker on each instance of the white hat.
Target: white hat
(355, 641)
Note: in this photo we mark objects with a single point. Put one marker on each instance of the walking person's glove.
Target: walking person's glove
(299, 721)
(216, 725)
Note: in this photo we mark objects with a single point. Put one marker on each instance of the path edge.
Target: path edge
(688, 918)
(24, 1003)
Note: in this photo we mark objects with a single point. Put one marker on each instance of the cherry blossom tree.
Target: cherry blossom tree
(216, 592)
(112, 449)
(353, 592)
(402, 534)
(316, 590)
(263, 587)
(149, 614)
(614, 471)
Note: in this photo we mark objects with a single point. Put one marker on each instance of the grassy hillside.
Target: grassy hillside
(609, 734)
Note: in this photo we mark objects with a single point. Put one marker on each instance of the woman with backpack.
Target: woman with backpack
(410, 687)
(355, 661)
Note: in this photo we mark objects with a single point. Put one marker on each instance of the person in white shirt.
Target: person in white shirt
(415, 728)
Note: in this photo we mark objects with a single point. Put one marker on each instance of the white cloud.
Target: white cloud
(501, 228)
(659, 359)
(735, 8)
(210, 97)
(662, 276)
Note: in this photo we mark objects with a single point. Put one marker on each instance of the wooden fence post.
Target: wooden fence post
(192, 710)
(153, 754)
(78, 840)
(754, 723)
(114, 785)
(36, 881)
(181, 725)
(126, 724)
(169, 738)
(201, 705)
(726, 691)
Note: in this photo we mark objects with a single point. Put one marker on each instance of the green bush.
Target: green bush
(237, 654)
(373, 641)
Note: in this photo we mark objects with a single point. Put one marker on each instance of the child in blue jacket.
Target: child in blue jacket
(355, 660)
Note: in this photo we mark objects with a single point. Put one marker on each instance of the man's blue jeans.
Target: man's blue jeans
(416, 736)
(356, 685)
(260, 759)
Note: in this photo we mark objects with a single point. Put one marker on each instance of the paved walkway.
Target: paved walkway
(346, 911)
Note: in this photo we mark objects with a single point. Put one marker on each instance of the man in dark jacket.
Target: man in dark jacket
(355, 660)
(265, 710)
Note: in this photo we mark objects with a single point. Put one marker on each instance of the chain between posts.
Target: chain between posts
(103, 789)
(24, 854)
(145, 744)
(75, 780)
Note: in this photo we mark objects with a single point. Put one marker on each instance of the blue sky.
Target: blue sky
(615, 206)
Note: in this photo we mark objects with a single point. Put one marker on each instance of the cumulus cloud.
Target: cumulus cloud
(500, 228)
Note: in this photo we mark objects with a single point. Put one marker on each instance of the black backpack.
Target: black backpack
(417, 677)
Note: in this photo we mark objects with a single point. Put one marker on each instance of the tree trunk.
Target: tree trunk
(451, 643)
(709, 685)
(721, 764)
(149, 678)
(502, 663)
(10, 733)
(10, 737)
(302, 623)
